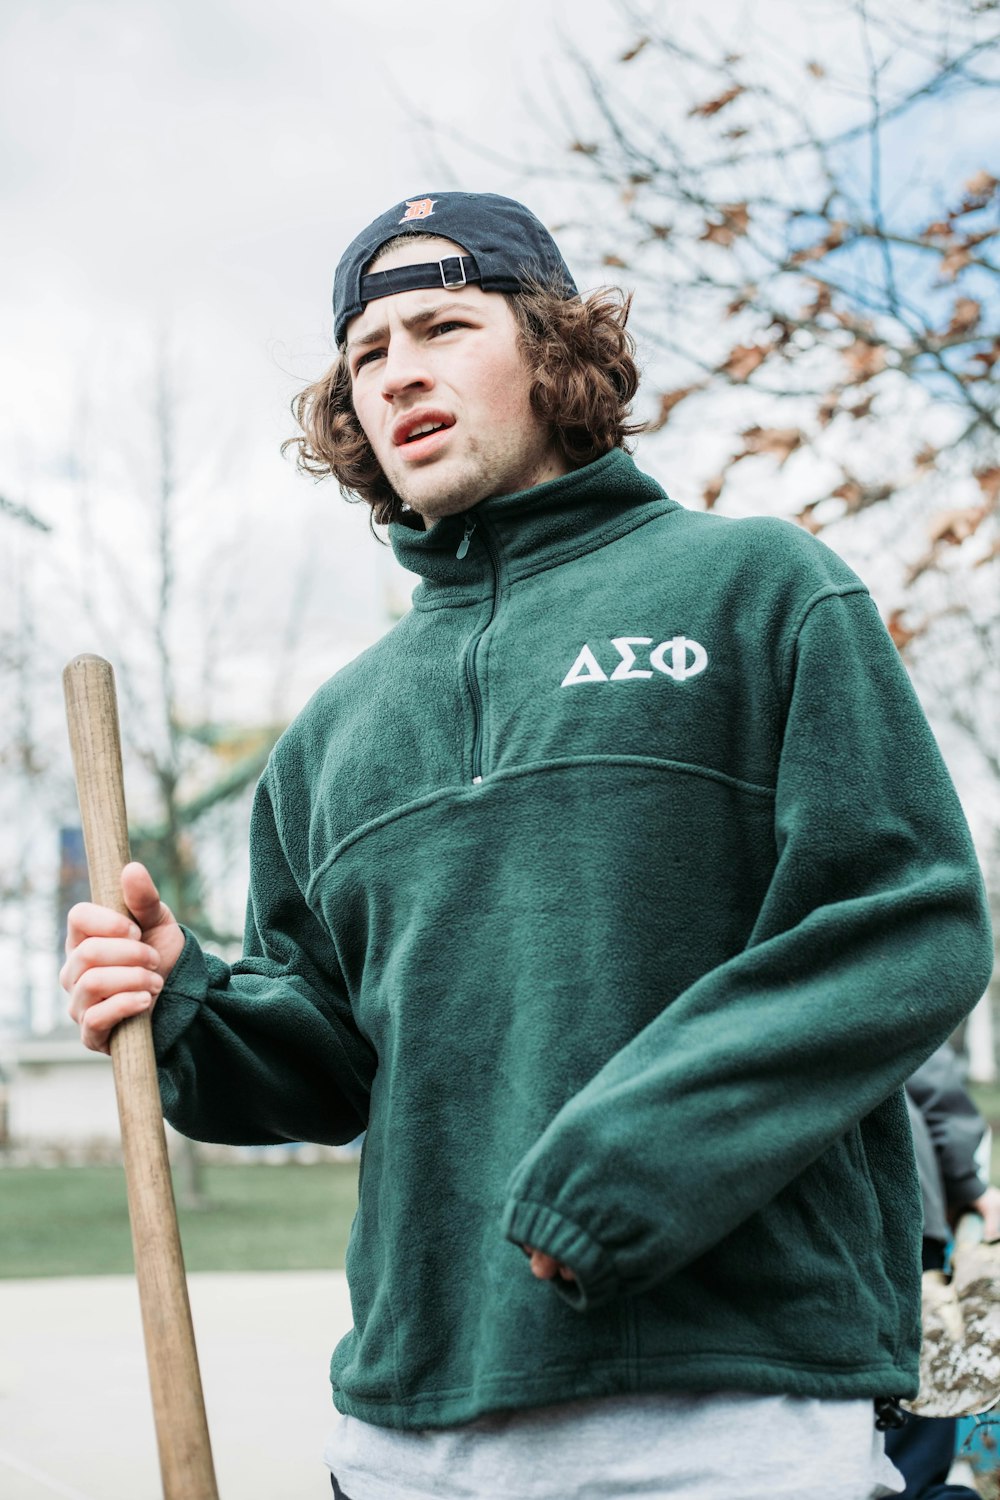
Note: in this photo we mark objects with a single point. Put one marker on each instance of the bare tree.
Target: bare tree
(782, 257)
(821, 306)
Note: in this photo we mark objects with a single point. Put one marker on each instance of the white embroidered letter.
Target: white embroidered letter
(586, 668)
(623, 645)
(678, 667)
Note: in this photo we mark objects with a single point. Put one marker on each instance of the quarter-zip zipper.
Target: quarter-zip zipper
(475, 693)
(463, 546)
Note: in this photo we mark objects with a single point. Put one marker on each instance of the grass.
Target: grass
(73, 1221)
(987, 1097)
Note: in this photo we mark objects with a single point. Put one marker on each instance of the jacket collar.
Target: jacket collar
(533, 529)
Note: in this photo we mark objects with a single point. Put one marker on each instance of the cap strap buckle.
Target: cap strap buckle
(453, 260)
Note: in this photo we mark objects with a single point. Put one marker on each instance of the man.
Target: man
(616, 891)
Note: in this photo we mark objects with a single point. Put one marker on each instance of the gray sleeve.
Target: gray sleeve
(953, 1123)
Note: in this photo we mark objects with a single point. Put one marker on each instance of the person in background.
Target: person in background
(951, 1141)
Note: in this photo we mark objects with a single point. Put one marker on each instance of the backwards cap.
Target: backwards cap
(507, 246)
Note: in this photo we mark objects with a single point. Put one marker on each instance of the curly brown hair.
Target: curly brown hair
(584, 376)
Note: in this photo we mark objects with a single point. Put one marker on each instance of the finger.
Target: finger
(543, 1266)
(142, 898)
(566, 1273)
(101, 1020)
(87, 919)
(102, 952)
(97, 985)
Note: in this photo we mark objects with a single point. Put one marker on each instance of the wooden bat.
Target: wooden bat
(178, 1406)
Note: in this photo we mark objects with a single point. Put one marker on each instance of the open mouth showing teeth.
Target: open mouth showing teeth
(428, 427)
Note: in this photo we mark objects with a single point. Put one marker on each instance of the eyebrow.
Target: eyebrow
(415, 319)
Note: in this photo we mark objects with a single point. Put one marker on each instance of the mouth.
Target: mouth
(420, 429)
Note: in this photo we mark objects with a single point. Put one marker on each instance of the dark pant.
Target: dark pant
(923, 1450)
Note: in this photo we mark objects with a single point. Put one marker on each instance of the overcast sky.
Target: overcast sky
(187, 172)
(200, 164)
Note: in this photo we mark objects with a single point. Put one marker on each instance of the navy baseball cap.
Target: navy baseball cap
(506, 246)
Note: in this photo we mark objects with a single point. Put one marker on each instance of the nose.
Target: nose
(404, 367)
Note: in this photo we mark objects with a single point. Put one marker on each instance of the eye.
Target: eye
(447, 326)
(365, 359)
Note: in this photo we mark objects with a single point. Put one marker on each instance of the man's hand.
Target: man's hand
(116, 967)
(546, 1267)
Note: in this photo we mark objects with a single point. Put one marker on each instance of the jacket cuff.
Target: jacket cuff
(541, 1227)
(185, 989)
(965, 1190)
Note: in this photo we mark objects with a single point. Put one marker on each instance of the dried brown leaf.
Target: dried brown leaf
(830, 241)
(821, 303)
(926, 457)
(954, 260)
(668, 400)
(713, 490)
(734, 220)
(827, 409)
(965, 315)
(584, 148)
(816, 69)
(736, 134)
(857, 496)
(982, 185)
(978, 191)
(783, 331)
(807, 519)
(737, 215)
(779, 442)
(741, 300)
(988, 481)
(633, 52)
(941, 229)
(901, 633)
(860, 409)
(850, 492)
(743, 360)
(712, 106)
(952, 527)
(988, 357)
(717, 234)
(864, 360)
(615, 261)
(661, 231)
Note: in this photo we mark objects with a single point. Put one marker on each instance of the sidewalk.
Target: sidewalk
(75, 1414)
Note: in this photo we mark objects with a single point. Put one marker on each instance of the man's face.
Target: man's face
(441, 390)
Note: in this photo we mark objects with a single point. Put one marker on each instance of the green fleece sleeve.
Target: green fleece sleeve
(871, 944)
(266, 1049)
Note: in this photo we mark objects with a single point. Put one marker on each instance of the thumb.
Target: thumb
(142, 898)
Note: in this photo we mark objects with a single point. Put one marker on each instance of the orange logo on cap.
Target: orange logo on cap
(418, 208)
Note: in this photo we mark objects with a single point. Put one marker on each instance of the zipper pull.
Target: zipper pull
(463, 546)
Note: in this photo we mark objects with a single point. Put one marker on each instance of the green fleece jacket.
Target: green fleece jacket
(616, 891)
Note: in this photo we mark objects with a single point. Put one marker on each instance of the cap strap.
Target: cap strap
(452, 272)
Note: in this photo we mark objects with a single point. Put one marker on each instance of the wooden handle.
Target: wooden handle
(178, 1405)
